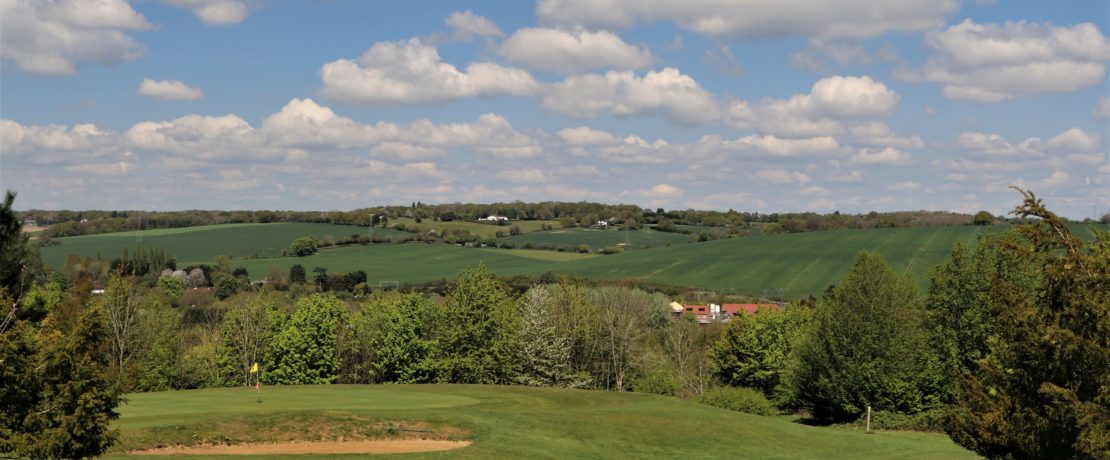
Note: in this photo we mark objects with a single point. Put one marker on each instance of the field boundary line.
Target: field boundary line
(891, 237)
(974, 233)
(794, 281)
(920, 251)
(765, 262)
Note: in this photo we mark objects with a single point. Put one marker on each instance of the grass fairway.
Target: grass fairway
(509, 422)
(203, 243)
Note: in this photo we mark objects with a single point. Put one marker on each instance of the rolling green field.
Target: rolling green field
(597, 239)
(786, 265)
(201, 244)
(411, 263)
(506, 422)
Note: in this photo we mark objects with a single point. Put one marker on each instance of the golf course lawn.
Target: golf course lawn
(501, 422)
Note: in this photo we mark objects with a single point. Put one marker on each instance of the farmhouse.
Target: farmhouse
(708, 313)
(494, 219)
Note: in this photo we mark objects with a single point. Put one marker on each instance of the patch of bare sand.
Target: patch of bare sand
(379, 446)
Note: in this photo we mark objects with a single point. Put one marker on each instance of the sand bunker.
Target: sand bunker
(381, 446)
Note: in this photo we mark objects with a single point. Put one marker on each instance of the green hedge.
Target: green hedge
(739, 399)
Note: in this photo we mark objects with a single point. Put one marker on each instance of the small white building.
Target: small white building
(494, 219)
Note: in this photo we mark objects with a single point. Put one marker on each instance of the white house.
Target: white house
(494, 219)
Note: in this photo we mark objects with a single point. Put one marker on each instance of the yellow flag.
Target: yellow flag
(254, 368)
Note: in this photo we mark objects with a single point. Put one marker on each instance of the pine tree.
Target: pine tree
(63, 403)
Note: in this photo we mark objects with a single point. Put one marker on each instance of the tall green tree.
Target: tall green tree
(159, 347)
(958, 304)
(1043, 388)
(13, 249)
(394, 340)
(63, 403)
(866, 347)
(305, 350)
(478, 334)
(248, 329)
(544, 355)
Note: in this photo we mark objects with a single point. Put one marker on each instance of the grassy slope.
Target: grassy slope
(408, 263)
(598, 239)
(798, 264)
(519, 422)
(202, 244)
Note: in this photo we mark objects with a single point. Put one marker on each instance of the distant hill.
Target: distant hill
(785, 265)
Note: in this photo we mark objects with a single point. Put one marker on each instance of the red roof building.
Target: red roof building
(734, 309)
(705, 314)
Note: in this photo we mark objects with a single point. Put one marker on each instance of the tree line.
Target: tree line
(1006, 351)
(63, 223)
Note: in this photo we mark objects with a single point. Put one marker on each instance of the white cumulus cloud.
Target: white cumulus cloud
(49, 37)
(995, 62)
(836, 105)
(412, 72)
(169, 89)
(466, 25)
(572, 51)
(623, 93)
(216, 12)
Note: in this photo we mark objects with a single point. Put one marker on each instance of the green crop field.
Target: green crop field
(504, 422)
(597, 239)
(475, 228)
(412, 262)
(786, 265)
(202, 244)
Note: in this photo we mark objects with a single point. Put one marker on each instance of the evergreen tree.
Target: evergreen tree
(866, 347)
(296, 274)
(1043, 389)
(63, 403)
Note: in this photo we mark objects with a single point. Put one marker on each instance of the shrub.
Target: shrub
(929, 420)
(739, 399)
(304, 246)
(657, 378)
(612, 250)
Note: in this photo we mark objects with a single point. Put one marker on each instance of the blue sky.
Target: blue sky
(754, 105)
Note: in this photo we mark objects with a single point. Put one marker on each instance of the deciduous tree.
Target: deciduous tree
(866, 347)
(304, 352)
